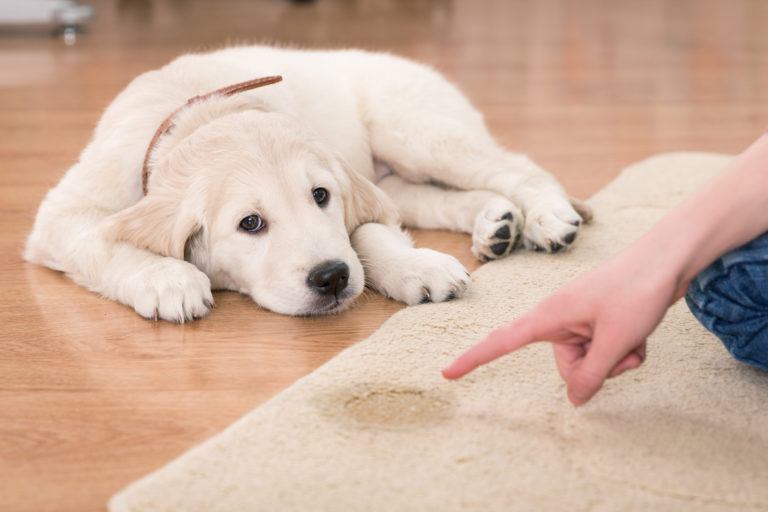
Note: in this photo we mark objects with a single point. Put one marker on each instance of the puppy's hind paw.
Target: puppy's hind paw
(551, 229)
(497, 230)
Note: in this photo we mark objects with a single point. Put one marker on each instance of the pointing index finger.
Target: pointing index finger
(498, 343)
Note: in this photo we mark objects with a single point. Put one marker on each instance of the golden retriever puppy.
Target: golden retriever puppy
(291, 192)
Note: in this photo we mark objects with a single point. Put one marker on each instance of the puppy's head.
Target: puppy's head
(261, 206)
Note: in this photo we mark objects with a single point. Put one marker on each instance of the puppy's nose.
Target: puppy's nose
(329, 277)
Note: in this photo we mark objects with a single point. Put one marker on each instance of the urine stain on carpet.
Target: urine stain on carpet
(388, 406)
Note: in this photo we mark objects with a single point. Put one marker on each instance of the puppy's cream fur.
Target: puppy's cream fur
(337, 117)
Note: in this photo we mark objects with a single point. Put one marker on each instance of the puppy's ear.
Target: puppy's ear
(363, 201)
(157, 223)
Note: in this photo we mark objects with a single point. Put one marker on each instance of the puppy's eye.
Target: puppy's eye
(321, 195)
(252, 223)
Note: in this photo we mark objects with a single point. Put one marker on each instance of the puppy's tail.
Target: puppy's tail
(582, 209)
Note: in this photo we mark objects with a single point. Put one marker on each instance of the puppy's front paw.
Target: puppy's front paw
(497, 230)
(171, 289)
(551, 226)
(425, 276)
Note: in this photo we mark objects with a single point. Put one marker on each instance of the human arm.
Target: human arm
(598, 323)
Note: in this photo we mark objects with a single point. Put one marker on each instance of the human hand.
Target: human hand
(597, 324)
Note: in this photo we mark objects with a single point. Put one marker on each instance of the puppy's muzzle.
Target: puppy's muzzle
(329, 277)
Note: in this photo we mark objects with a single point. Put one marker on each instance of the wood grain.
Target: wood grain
(92, 396)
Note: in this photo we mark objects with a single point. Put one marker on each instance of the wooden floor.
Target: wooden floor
(92, 396)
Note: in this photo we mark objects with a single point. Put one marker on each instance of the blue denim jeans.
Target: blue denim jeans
(730, 298)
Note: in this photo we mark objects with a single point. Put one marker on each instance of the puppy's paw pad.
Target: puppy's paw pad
(551, 230)
(497, 230)
(172, 290)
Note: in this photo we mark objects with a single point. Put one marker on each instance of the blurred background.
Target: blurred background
(92, 396)
(585, 86)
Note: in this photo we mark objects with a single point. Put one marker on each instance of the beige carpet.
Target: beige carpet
(378, 429)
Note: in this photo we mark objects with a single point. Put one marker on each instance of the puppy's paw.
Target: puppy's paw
(171, 289)
(551, 226)
(426, 276)
(497, 230)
